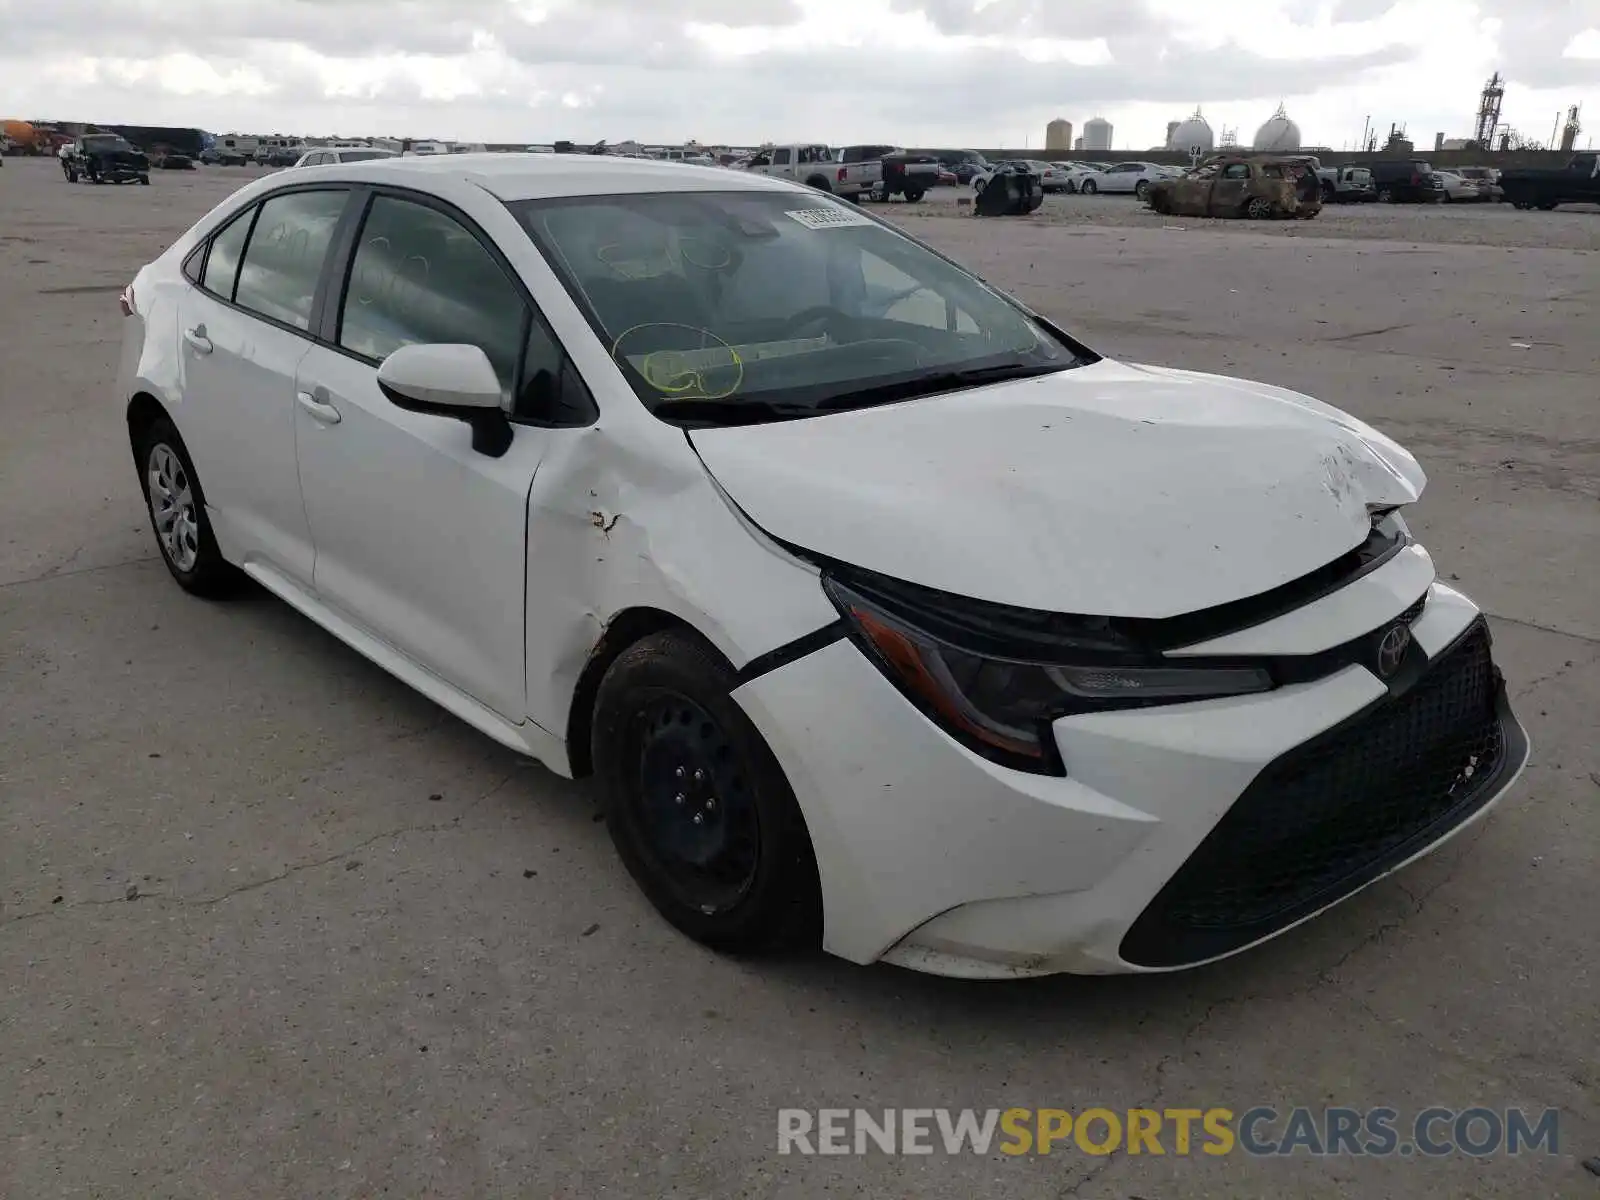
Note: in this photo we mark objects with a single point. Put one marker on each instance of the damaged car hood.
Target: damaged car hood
(1109, 489)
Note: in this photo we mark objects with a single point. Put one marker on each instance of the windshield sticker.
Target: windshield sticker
(827, 218)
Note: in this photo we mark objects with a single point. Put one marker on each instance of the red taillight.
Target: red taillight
(1416, 179)
(841, 174)
(126, 300)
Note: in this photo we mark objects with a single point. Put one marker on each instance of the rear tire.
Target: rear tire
(177, 509)
(914, 195)
(696, 803)
(819, 182)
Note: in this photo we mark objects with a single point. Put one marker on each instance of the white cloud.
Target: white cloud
(919, 72)
(1583, 45)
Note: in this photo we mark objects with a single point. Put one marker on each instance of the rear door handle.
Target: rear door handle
(320, 409)
(197, 338)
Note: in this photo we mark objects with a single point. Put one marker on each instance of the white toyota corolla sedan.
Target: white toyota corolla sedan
(887, 613)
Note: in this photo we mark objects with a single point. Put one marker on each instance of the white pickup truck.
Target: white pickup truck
(814, 164)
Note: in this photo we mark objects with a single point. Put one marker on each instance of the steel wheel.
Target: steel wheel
(694, 804)
(172, 507)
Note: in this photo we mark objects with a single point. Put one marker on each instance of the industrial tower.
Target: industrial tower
(1489, 111)
(1571, 130)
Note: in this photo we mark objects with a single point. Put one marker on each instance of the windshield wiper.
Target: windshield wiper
(935, 382)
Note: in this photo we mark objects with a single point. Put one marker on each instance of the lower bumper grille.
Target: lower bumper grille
(1334, 813)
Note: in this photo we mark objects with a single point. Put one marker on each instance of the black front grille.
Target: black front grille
(1335, 812)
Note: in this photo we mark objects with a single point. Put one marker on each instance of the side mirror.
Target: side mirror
(449, 380)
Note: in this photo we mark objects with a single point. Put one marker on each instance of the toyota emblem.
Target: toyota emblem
(1392, 650)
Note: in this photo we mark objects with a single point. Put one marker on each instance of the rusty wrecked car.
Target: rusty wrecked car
(1258, 187)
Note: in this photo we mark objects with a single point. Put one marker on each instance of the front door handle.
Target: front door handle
(320, 410)
(197, 338)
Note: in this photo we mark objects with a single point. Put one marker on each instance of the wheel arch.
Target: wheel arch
(625, 629)
(144, 410)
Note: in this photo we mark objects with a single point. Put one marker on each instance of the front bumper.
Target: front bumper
(1179, 834)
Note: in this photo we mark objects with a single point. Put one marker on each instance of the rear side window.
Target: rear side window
(222, 263)
(418, 276)
(780, 157)
(283, 261)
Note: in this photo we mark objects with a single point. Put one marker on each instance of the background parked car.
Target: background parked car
(104, 158)
(1347, 185)
(341, 154)
(1011, 165)
(1052, 178)
(1135, 177)
(1405, 181)
(1076, 173)
(1458, 189)
(1487, 178)
(964, 164)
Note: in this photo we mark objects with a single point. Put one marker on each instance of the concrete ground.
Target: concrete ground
(271, 925)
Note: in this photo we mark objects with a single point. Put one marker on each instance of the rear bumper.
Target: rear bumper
(1179, 835)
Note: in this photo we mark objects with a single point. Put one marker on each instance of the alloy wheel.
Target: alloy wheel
(172, 507)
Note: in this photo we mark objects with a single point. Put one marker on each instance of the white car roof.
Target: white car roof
(532, 176)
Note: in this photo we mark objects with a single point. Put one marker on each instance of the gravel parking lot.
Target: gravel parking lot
(272, 925)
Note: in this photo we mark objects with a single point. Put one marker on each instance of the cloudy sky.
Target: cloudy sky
(917, 72)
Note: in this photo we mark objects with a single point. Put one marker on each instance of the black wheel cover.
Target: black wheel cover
(693, 808)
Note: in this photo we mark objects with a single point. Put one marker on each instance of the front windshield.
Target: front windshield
(104, 142)
(778, 300)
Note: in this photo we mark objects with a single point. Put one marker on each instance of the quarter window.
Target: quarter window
(283, 261)
(222, 263)
(418, 276)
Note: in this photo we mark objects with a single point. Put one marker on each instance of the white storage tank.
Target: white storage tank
(1279, 135)
(1193, 134)
(1097, 134)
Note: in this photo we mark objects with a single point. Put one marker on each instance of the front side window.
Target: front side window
(283, 261)
(222, 263)
(758, 301)
(418, 276)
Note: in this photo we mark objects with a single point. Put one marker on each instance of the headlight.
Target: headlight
(995, 677)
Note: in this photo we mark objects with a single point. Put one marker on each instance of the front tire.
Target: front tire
(1089, 187)
(1141, 190)
(697, 805)
(178, 516)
